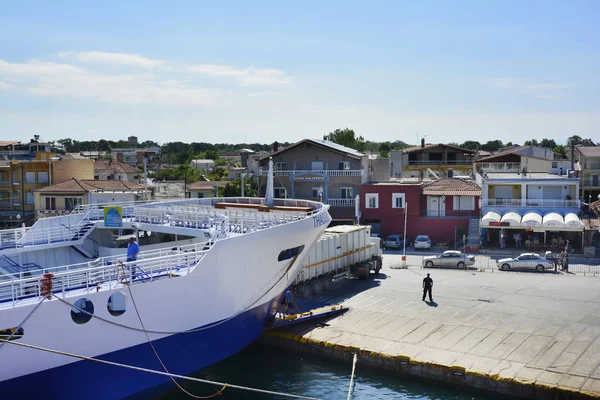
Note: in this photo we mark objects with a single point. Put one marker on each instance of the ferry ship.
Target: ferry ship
(209, 276)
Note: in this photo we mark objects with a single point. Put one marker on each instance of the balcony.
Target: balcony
(534, 203)
(449, 214)
(499, 167)
(329, 172)
(4, 183)
(440, 162)
(340, 202)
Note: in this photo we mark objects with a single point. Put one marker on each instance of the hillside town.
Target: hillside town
(535, 196)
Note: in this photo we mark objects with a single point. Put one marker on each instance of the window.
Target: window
(280, 193)
(317, 166)
(30, 177)
(290, 253)
(72, 202)
(82, 311)
(346, 193)
(42, 177)
(554, 164)
(398, 200)
(463, 203)
(343, 165)
(317, 192)
(29, 198)
(200, 195)
(50, 203)
(372, 200)
(281, 165)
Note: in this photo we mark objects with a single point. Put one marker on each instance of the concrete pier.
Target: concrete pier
(535, 335)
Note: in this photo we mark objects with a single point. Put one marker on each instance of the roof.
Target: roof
(452, 187)
(503, 152)
(433, 145)
(115, 167)
(205, 185)
(4, 143)
(75, 185)
(528, 175)
(325, 144)
(589, 151)
(595, 205)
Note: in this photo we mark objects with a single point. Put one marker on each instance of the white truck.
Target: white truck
(342, 251)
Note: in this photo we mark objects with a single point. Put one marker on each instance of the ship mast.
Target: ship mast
(270, 195)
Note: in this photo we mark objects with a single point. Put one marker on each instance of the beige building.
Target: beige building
(318, 170)
(107, 170)
(589, 162)
(202, 189)
(63, 197)
(68, 168)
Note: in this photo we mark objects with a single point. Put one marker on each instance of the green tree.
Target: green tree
(492, 145)
(560, 150)
(210, 155)
(384, 149)
(471, 145)
(103, 145)
(549, 143)
(579, 141)
(346, 137)
(399, 145)
(180, 173)
(532, 142)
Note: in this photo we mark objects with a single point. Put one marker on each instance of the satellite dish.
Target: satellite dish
(18, 216)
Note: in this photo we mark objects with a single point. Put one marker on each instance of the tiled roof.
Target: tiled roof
(452, 187)
(432, 145)
(113, 166)
(4, 143)
(75, 185)
(589, 151)
(326, 144)
(205, 185)
(510, 150)
(595, 205)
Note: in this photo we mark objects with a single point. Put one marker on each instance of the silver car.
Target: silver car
(525, 261)
(450, 258)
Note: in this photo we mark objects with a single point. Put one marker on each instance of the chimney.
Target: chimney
(275, 147)
(423, 143)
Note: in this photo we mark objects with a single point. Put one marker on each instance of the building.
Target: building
(234, 173)
(589, 162)
(442, 209)
(204, 166)
(201, 189)
(168, 190)
(431, 160)
(115, 170)
(321, 170)
(522, 159)
(540, 207)
(134, 157)
(63, 197)
(66, 168)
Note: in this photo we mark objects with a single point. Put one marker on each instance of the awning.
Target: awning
(573, 221)
(554, 220)
(490, 216)
(531, 219)
(513, 218)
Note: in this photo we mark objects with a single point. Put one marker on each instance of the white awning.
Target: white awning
(531, 219)
(553, 219)
(513, 218)
(490, 216)
(573, 221)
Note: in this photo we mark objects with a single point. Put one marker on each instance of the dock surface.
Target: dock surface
(535, 335)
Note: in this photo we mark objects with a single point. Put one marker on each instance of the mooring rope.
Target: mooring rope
(189, 378)
(25, 320)
(352, 376)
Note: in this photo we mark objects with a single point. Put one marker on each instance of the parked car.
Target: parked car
(422, 242)
(396, 241)
(525, 261)
(449, 258)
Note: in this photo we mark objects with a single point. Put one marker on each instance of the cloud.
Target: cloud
(65, 80)
(504, 83)
(250, 76)
(100, 57)
(551, 86)
(522, 87)
(6, 85)
(547, 97)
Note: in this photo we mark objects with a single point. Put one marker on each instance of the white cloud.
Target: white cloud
(101, 57)
(504, 83)
(551, 86)
(6, 85)
(66, 80)
(250, 76)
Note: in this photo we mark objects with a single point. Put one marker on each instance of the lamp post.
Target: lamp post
(405, 218)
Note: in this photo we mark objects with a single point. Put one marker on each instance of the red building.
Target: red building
(438, 209)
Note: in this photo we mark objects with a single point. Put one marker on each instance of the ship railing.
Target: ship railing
(10, 237)
(95, 277)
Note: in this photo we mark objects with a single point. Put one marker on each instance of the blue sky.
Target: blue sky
(263, 71)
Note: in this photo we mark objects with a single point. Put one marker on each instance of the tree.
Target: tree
(532, 142)
(560, 150)
(346, 137)
(549, 143)
(149, 143)
(399, 145)
(471, 145)
(384, 149)
(103, 145)
(492, 145)
(210, 155)
(180, 173)
(578, 141)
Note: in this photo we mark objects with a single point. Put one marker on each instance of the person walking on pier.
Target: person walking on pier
(427, 286)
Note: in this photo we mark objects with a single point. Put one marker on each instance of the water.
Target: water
(294, 372)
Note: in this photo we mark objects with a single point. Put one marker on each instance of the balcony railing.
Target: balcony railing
(440, 162)
(505, 167)
(4, 183)
(534, 203)
(329, 172)
(340, 202)
(449, 213)
(592, 166)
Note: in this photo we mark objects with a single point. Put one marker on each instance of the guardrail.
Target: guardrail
(329, 172)
(440, 162)
(341, 202)
(539, 203)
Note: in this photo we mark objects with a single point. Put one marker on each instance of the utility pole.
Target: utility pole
(243, 176)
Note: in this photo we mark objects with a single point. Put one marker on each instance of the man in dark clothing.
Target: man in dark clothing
(427, 285)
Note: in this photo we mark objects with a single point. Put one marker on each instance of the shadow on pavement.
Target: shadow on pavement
(431, 303)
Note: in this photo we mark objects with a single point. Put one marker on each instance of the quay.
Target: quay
(525, 334)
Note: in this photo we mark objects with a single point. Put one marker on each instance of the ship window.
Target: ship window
(11, 333)
(290, 253)
(82, 311)
(117, 304)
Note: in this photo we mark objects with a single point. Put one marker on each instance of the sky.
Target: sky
(260, 71)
